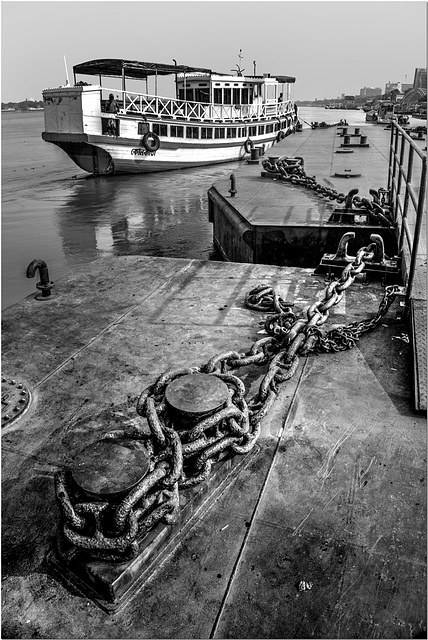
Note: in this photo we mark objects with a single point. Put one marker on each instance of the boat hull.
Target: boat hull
(105, 155)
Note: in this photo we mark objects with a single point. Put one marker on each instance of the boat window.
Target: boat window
(202, 95)
(218, 133)
(227, 96)
(277, 126)
(160, 129)
(252, 131)
(206, 132)
(217, 96)
(177, 132)
(261, 129)
(143, 127)
(244, 96)
(269, 128)
(192, 132)
(236, 96)
(231, 132)
(189, 95)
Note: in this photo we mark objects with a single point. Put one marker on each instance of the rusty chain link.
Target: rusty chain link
(184, 457)
(292, 170)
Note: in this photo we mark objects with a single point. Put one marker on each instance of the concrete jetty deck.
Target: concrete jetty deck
(273, 221)
(336, 496)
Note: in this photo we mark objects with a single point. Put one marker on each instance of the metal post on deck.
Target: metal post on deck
(400, 173)
(123, 87)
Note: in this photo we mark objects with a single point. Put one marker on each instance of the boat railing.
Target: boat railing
(407, 187)
(137, 104)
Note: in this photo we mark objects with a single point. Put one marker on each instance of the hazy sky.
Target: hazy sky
(330, 47)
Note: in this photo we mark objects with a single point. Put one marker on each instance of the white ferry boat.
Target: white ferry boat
(213, 118)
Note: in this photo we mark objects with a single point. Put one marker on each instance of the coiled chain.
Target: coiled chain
(292, 170)
(182, 458)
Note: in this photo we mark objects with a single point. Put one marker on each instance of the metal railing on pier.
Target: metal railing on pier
(407, 188)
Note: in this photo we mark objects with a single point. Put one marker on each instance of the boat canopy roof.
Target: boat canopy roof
(285, 79)
(133, 68)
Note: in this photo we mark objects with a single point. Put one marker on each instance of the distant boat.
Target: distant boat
(213, 118)
(383, 114)
(371, 116)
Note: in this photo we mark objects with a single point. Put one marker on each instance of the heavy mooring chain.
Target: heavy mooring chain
(292, 170)
(183, 456)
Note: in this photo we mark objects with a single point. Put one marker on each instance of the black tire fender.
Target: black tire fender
(248, 145)
(151, 141)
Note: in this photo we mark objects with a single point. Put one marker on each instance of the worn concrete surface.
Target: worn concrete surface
(266, 202)
(336, 497)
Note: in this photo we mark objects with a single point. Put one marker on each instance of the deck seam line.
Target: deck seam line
(253, 516)
(110, 326)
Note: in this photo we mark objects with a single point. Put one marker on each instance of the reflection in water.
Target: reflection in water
(138, 215)
(53, 211)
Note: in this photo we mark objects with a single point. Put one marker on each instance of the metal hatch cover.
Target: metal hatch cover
(15, 399)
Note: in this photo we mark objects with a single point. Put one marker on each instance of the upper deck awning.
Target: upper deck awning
(287, 79)
(133, 68)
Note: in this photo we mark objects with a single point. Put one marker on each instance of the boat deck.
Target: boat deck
(335, 497)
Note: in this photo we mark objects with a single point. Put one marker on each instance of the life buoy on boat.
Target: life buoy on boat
(151, 141)
(248, 145)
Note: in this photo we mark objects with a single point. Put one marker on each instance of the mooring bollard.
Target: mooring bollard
(195, 396)
(45, 285)
(255, 153)
(232, 189)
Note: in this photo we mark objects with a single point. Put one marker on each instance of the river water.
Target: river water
(54, 211)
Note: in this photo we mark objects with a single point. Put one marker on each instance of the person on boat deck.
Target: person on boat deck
(280, 97)
(111, 107)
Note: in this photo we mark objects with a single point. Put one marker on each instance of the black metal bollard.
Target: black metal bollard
(232, 189)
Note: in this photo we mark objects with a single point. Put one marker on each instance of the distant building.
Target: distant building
(348, 102)
(390, 86)
(420, 79)
(414, 96)
(370, 91)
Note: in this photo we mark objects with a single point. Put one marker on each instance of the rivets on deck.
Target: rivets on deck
(15, 398)
(110, 467)
(194, 396)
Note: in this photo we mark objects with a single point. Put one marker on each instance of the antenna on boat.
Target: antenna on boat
(254, 67)
(66, 72)
(240, 71)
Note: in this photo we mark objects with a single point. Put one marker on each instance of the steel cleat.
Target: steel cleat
(342, 248)
(379, 256)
